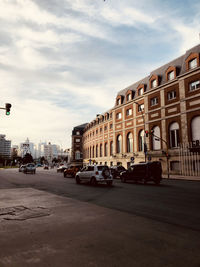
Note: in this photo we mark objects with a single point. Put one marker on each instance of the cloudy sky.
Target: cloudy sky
(63, 61)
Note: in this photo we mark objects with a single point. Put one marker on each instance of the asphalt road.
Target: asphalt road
(173, 202)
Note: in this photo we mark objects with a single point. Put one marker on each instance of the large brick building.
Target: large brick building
(167, 103)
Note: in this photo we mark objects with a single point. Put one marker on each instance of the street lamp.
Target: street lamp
(145, 145)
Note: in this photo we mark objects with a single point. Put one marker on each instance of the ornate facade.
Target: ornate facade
(151, 119)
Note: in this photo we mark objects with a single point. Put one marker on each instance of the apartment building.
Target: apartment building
(5, 147)
(156, 118)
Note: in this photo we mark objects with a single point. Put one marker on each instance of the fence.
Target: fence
(189, 158)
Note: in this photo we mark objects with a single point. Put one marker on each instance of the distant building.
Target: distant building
(5, 147)
(77, 145)
(27, 147)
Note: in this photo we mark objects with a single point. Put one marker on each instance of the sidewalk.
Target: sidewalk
(181, 177)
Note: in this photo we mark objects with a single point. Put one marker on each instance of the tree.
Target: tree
(27, 158)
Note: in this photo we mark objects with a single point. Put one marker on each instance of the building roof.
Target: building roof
(179, 63)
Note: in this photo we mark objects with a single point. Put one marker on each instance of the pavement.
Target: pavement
(181, 177)
(42, 229)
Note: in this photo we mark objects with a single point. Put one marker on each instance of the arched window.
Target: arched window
(119, 144)
(101, 154)
(156, 145)
(77, 154)
(106, 150)
(129, 142)
(195, 126)
(174, 134)
(111, 148)
(97, 151)
(141, 140)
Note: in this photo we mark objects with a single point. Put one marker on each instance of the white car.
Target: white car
(30, 168)
(95, 174)
(21, 168)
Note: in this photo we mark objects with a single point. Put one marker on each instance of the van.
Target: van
(144, 172)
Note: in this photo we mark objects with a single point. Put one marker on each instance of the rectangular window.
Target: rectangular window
(194, 85)
(129, 112)
(118, 116)
(193, 63)
(140, 107)
(170, 75)
(105, 128)
(78, 140)
(154, 101)
(171, 95)
(111, 126)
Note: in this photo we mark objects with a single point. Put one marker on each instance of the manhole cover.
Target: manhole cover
(21, 213)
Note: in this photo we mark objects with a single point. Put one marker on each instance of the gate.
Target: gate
(189, 158)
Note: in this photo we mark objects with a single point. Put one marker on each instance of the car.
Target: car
(71, 171)
(144, 172)
(61, 168)
(46, 167)
(95, 174)
(116, 170)
(21, 168)
(30, 168)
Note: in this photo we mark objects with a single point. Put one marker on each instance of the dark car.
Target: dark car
(144, 172)
(116, 170)
(61, 168)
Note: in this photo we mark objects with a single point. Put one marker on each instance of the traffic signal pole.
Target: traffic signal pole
(7, 108)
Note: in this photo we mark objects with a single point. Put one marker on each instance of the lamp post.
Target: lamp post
(157, 138)
(145, 144)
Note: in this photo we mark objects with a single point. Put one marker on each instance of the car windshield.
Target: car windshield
(100, 168)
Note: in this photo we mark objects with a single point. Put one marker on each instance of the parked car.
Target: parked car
(95, 174)
(144, 172)
(46, 167)
(61, 168)
(30, 168)
(21, 168)
(71, 171)
(116, 170)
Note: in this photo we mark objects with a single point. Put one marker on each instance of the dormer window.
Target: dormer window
(118, 101)
(128, 97)
(170, 75)
(153, 83)
(140, 91)
(192, 63)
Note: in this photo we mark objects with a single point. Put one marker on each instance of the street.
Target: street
(162, 219)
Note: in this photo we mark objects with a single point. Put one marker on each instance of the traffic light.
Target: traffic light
(146, 133)
(7, 107)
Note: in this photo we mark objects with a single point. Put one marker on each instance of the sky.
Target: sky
(64, 61)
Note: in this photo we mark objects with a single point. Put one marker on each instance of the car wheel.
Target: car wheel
(157, 181)
(109, 183)
(78, 181)
(93, 181)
